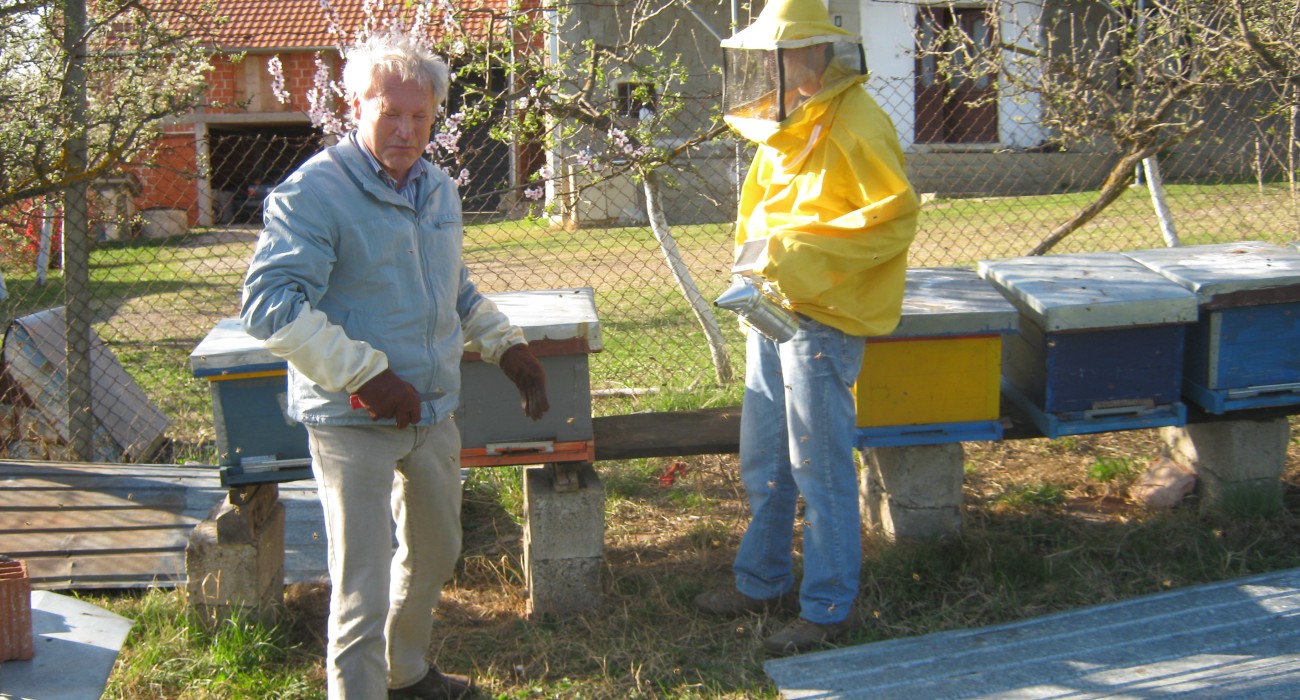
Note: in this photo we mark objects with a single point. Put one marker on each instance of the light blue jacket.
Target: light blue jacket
(341, 239)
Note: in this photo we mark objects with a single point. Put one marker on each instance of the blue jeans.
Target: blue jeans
(796, 438)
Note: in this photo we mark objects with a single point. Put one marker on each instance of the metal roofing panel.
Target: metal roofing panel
(35, 356)
(553, 314)
(83, 526)
(227, 347)
(1231, 639)
(942, 301)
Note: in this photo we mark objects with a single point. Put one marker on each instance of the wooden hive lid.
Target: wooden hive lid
(950, 301)
(1224, 274)
(1090, 291)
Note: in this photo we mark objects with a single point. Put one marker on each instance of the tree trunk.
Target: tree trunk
(43, 249)
(702, 309)
(1117, 181)
(1291, 141)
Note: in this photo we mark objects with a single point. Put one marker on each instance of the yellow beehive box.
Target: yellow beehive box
(937, 377)
(929, 380)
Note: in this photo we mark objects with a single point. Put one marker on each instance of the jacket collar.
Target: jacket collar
(351, 156)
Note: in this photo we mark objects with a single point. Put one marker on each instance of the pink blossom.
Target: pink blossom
(322, 108)
(276, 69)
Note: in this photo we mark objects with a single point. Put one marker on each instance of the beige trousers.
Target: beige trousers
(375, 481)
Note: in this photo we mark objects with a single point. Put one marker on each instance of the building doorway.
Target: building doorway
(961, 108)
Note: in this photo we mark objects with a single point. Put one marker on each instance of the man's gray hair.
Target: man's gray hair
(394, 53)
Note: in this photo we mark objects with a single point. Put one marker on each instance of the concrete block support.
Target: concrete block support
(234, 561)
(1238, 463)
(564, 542)
(912, 491)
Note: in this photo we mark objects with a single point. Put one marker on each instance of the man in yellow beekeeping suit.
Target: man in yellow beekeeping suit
(828, 202)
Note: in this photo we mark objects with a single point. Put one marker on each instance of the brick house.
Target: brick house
(247, 137)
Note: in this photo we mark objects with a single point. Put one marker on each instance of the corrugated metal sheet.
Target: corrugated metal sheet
(83, 526)
(1232, 639)
(128, 427)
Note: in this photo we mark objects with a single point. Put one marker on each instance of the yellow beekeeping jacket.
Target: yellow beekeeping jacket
(829, 189)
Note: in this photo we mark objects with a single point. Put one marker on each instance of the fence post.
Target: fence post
(43, 249)
(1156, 185)
(76, 241)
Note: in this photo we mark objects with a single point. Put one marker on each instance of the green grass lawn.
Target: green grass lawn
(156, 299)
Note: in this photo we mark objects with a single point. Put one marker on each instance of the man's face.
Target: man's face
(395, 121)
(803, 73)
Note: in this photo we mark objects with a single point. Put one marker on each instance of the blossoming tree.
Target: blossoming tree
(525, 74)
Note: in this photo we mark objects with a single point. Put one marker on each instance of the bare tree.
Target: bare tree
(601, 136)
(1267, 30)
(1131, 78)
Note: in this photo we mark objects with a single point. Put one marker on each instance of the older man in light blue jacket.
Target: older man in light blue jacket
(358, 283)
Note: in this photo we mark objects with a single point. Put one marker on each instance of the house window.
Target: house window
(636, 100)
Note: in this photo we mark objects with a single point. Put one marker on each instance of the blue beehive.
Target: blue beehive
(256, 441)
(935, 379)
(1100, 346)
(1242, 351)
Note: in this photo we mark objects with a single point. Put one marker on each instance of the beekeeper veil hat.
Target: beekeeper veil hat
(791, 55)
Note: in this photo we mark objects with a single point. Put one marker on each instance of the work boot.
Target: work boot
(733, 603)
(803, 635)
(434, 686)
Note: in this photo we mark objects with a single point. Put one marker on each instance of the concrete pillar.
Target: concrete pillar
(1238, 464)
(564, 542)
(912, 491)
(234, 561)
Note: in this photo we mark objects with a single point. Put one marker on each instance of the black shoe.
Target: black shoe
(434, 686)
(803, 635)
(733, 603)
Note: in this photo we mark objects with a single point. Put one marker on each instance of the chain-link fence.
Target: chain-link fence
(159, 282)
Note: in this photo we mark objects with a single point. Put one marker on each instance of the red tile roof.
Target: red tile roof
(304, 24)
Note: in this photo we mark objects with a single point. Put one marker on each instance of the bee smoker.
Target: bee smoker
(760, 306)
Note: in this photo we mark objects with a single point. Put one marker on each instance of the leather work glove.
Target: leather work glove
(522, 368)
(387, 395)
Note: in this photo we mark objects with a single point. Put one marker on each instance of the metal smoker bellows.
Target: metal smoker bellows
(760, 307)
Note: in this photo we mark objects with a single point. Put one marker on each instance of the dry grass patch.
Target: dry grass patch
(1041, 533)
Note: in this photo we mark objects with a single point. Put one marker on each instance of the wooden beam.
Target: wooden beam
(717, 430)
(673, 434)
